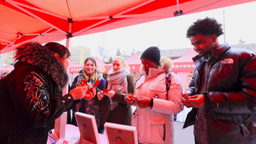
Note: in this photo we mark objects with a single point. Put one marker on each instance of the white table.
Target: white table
(72, 136)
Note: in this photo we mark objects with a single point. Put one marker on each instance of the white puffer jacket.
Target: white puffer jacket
(152, 122)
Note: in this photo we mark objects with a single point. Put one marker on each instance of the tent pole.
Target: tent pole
(69, 35)
(60, 123)
(67, 42)
(65, 90)
(178, 5)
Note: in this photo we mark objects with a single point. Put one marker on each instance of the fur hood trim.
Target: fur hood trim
(166, 63)
(35, 54)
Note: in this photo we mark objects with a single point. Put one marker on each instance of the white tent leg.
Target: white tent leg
(60, 123)
(65, 90)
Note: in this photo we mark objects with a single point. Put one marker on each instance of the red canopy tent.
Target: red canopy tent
(54, 20)
(185, 62)
(184, 67)
(134, 59)
(71, 63)
(108, 67)
(134, 63)
(6, 69)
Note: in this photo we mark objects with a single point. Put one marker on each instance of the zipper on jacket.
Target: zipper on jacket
(245, 131)
(164, 132)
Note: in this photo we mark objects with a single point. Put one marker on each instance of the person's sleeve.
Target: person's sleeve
(121, 97)
(105, 98)
(102, 84)
(73, 85)
(30, 93)
(173, 105)
(243, 100)
(191, 87)
(100, 87)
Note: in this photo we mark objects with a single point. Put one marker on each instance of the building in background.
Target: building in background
(176, 53)
(79, 54)
(6, 59)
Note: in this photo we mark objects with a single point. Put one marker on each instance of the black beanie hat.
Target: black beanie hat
(152, 53)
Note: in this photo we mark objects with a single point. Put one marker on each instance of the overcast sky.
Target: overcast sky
(171, 33)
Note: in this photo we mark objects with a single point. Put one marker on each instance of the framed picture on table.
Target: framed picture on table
(120, 134)
(88, 128)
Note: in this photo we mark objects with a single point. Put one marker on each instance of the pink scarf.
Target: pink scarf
(117, 81)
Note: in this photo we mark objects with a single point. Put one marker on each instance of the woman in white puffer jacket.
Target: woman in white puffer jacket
(155, 107)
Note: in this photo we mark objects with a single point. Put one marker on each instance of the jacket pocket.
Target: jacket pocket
(156, 118)
(158, 91)
(135, 118)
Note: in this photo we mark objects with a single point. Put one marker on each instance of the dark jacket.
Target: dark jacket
(91, 106)
(29, 96)
(122, 114)
(230, 99)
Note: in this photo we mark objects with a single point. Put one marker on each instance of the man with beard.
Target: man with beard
(222, 90)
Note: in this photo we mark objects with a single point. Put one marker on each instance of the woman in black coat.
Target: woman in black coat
(31, 98)
(89, 106)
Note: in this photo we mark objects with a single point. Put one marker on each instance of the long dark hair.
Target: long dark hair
(55, 47)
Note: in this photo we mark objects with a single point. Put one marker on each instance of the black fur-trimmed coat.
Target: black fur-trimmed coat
(30, 96)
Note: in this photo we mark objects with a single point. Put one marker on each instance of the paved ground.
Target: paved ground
(183, 136)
